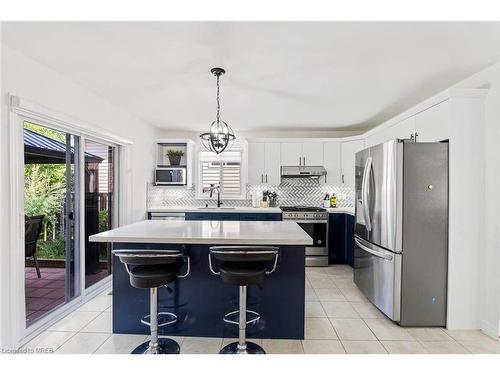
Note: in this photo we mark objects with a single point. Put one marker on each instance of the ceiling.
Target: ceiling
(280, 75)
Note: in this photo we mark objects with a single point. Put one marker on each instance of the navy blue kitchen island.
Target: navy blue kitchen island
(201, 299)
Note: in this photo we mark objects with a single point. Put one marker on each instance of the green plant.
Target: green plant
(44, 193)
(103, 221)
(52, 249)
(175, 153)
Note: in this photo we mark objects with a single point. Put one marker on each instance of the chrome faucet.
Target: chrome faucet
(211, 189)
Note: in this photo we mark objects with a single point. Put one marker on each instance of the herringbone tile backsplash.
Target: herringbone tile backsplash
(291, 192)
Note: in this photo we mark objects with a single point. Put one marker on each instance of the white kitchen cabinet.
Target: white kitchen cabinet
(348, 154)
(302, 154)
(432, 125)
(264, 163)
(312, 153)
(291, 153)
(272, 165)
(256, 163)
(404, 129)
(332, 162)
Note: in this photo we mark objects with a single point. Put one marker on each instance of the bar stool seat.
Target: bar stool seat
(242, 273)
(152, 269)
(151, 276)
(243, 266)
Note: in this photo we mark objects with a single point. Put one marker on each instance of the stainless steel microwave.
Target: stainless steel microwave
(176, 176)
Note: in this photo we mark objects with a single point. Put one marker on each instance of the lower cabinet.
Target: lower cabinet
(341, 239)
(233, 216)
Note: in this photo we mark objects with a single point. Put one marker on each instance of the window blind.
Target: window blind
(225, 173)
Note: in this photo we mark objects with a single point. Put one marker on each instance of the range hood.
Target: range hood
(309, 171)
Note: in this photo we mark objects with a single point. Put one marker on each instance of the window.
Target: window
(223, 170)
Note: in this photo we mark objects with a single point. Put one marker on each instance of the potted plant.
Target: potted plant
(174, 156)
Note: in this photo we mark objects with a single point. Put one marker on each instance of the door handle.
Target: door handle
(365, 192)
(376, 253)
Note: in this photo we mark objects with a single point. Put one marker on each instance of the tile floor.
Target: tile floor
(339, 320)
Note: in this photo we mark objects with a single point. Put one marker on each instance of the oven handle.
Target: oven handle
(376, 253)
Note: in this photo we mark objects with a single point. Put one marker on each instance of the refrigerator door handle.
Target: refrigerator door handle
(376, 253)
(364, 193)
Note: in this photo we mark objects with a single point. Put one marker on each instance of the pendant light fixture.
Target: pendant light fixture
(220, 136)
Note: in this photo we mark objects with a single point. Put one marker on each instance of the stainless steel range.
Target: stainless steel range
(314, 220)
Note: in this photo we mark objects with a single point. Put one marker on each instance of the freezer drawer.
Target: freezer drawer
(377, 272)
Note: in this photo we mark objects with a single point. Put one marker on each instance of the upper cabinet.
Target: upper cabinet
(302, 154)
(432, 125)
(332, 162)
(404, 129)
(264, 163)
(348, 154)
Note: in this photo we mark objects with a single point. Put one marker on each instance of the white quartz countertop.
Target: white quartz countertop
(215, 209)
(208, 232)
(341, 210)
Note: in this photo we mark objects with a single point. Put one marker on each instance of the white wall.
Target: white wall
(23, 77)
(487, 287)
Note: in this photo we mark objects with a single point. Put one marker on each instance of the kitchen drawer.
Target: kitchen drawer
(260, 217)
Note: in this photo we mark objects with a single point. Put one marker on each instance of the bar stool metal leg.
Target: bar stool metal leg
(156, 345)
(242, 346)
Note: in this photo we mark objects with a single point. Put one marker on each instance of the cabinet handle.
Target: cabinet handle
(411, 136)
(261, 178)
(266, 178)
(342, 178)
(300, 161)
(304, 161)
(416, 135)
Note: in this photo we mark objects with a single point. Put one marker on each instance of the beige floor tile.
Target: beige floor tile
(49, 340)
(75, 321)
(324, 282)
(353, 294)
(345, 282)
(121, 344)
(464, 335)
(201, 345)
(444, 347)
(339, 309)
(352, 329)
(319, 328)
(385, 329)
(343, 270)
(482, 347)
(363, 347)
(99, 303)
(367, 310)
(83, 343)
(329, 294)
(101, 324)
(429, 334)
(311, 295)
(314, 310)
(282, 346)
(323, 347)
(403, 347)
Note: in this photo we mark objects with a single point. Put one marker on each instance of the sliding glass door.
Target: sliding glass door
(51, 196)
(100, 209)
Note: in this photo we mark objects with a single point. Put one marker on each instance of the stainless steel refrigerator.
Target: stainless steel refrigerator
(401, 230)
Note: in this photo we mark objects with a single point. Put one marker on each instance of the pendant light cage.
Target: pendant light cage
(220, 136)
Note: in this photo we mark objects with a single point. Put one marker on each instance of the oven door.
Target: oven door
(170, 176)
(319, 233)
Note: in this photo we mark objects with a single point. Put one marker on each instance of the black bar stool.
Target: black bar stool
(243, 266)
(151, 269)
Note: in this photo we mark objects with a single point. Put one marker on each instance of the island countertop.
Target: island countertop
(208, 232)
